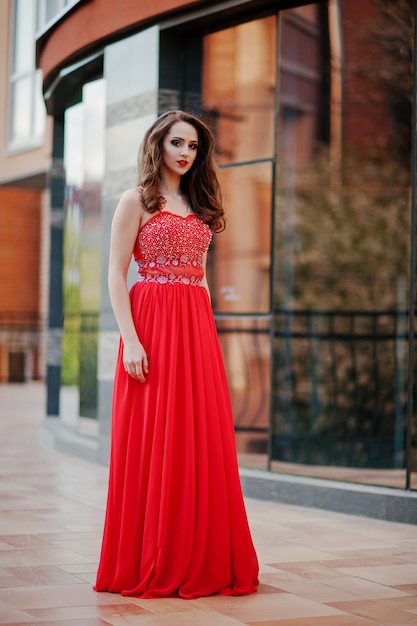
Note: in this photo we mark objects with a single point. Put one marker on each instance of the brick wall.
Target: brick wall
(19, 250)
(20, 234)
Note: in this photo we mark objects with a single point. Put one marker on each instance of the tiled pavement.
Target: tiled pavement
(317, 568)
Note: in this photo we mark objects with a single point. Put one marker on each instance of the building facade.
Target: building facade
(25, 159)
(310, 106)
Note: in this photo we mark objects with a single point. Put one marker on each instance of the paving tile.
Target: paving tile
(267, 607)
(382, 612)
(167, 605)
(265, 588)
(42, 575)
(403, 603)
(334, 620)
(317, 591)
(295, 552)
(5, 546)
(333, 542)
(364, 588)
(82, 546)
(11, 615)
(375, 527)
(25, 541)
(306, 569)
(367, 560)
(88, 577)
(57, 538)
(390, 550)
(67, 622)
(26, 526)
(12, 581)
(410, 589)
(87, 612)
(409, 556)
(35, 597)
(393, 575)
(194, 618)
(80, 568)
(51, 556)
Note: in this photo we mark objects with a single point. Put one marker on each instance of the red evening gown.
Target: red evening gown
(175, 523)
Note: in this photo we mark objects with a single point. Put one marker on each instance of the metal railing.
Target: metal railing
(339, 382)
(20, 330)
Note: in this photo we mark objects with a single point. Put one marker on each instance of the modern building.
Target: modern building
(310, 103)
(25, 160)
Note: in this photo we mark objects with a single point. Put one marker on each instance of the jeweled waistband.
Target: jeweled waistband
(171, 279)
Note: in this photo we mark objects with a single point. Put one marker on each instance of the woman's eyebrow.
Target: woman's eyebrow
(182, 139)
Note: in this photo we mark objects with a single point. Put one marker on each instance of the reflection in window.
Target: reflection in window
(246, 348)
(238, 87)
(73, 163)
(238, 100)
(341, 243)
(240, 275)
(238, 90)
(84, 165)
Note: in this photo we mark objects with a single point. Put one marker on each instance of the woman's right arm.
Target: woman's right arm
(125, 227)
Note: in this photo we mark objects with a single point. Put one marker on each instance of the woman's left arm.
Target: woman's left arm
(204, 280)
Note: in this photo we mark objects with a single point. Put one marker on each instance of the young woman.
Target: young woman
(175, 523)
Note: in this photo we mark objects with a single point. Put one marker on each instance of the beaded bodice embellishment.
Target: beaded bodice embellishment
(170, 249)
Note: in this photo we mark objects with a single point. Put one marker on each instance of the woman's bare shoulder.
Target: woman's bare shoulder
(131, 202)
(132, 196)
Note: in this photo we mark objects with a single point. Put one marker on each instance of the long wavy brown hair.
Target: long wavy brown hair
(199, 185)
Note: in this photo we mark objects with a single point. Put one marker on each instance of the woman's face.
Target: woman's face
(179, 148)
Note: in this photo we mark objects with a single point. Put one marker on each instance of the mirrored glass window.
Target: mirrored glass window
(332, 176)
(84, 167)
(238, 90)
(241, 266)
(246, 348)
(342, 242)
(238, 100)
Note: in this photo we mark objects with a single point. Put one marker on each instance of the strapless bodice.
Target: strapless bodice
(170, 249)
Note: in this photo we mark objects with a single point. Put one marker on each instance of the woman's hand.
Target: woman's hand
(135, 360)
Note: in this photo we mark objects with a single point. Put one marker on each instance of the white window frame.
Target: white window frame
(33, 138)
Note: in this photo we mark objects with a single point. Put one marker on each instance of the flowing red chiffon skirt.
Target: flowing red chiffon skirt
(175, 523)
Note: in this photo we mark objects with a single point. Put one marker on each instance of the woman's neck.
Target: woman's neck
(175, 200)
(170, 186)
(171, 193)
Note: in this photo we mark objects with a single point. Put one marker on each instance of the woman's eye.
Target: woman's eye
(194, 146)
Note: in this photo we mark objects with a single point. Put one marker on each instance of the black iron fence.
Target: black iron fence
(17, 329)
(340, 387)
(338, 384)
